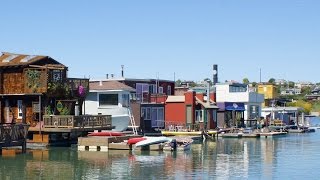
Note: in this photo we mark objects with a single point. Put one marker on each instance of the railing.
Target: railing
(83, 121)
(12, 133)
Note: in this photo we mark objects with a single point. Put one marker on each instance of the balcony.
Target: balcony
(83, 121)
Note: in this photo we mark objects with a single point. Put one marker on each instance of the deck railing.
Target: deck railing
(83, 121)
(10, 134)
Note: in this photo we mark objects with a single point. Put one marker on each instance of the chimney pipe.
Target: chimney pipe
(122, 73)
(107, 75)
(112, 75)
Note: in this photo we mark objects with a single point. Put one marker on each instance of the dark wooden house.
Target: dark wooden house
(34, 87)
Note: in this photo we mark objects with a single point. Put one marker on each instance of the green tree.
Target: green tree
(245, 81)
(178, 83)
(291, 84)
(254, 84)
(272, 81)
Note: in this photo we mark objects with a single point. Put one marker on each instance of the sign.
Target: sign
(35, 107)
(59, 106)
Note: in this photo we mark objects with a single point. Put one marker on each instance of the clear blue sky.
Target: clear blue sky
(94, 37)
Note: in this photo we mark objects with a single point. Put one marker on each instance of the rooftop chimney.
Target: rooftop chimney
(100, 83)
(112, 75)
(122, 73)
(107, 76)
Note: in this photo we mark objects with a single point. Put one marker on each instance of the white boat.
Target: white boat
(178, 144)
(152, 140)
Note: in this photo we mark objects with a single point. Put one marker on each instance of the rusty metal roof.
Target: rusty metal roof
(109, 85)
(12, 59)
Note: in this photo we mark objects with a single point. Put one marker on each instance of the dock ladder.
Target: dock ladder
(133, 123)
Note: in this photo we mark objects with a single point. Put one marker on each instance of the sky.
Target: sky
(169, 39)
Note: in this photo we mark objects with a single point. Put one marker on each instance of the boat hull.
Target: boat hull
(120, 122)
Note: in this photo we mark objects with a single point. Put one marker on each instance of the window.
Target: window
(19, 103)
(125, 100)
(157, 117)
(108, 99)
(160, 90)
(56, 75)
(238, 88)
(169, 90)
(199, 115)
(146, 113)
(153, 88)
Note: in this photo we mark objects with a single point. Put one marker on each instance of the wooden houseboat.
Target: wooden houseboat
(35, 90)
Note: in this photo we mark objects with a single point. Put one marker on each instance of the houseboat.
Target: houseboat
(35, 90)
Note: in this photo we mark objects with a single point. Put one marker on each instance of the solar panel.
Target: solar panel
(9, 58)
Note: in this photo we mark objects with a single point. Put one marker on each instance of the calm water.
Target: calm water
(296, 156)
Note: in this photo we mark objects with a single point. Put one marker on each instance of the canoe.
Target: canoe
(152, 140)
(106, 133)
(135, 140)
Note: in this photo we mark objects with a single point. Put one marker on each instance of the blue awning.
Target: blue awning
(229, 106)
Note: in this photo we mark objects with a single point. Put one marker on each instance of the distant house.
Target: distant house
(269, 91)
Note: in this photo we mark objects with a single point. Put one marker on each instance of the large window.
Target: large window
(19, 103)
(108, 99)
(157, 117)
(239, 88)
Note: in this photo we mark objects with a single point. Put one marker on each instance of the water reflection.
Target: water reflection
(295, 155)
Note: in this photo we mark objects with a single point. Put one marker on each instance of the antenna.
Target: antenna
(260, 75)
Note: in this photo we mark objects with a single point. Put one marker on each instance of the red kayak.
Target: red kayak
(135, 140)
(106, 133)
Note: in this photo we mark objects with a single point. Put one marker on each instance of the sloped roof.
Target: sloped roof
(12, 59)
(206, 105)
(172, 99)
(109, 85)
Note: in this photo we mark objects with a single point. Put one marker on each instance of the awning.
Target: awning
(232, 106)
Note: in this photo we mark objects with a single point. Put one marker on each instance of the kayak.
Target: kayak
(152, 140)
(135, 140)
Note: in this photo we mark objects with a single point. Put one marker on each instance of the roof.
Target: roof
(134, 80)
(207, 105)
(12, 59)
(172, 99)
(109, 85)
(280, 109)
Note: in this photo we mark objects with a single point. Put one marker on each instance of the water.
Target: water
(296, 156)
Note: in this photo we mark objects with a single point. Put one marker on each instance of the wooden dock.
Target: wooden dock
(272, 134)
(94, 143)
(13, 135)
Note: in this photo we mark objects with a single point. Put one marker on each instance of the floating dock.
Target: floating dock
(272, 134)
(95, 143)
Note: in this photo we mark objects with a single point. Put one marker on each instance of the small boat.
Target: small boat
(135, 140)
(152, 140)
(106, 133)
(178, 144)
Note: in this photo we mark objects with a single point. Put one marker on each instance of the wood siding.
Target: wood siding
(13, 83)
